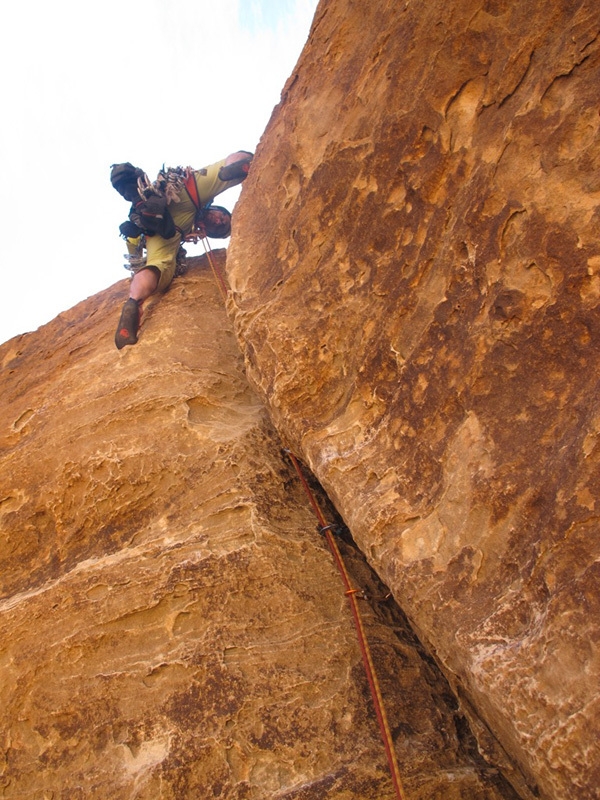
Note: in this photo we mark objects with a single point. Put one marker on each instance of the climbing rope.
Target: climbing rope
(216, 272)
(351, 593)
(196, 235)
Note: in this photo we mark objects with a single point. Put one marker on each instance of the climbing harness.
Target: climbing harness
(327, 531)
(197, 234)
(136, 261)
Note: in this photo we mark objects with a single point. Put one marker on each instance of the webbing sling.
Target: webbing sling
(192, 190)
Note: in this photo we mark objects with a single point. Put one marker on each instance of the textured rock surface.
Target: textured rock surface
(171, 625)
(416, 275)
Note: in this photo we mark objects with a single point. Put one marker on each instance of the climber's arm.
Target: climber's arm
(236, 166)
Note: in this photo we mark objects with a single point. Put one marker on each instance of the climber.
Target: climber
(185, 195)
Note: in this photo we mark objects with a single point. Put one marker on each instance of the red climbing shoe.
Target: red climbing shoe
(128, 324)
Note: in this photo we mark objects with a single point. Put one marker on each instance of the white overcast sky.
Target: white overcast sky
(88, 85)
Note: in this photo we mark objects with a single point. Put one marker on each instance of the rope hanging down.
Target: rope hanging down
(193, 237)
(351, 592)
(216, 272)
(386, 735)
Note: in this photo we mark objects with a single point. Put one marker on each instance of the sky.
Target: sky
(84, 86)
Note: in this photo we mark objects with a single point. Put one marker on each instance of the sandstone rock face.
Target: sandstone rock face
(171, 624)
(416, 279)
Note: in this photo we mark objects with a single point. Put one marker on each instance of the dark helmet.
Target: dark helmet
(214, 229)
(124, 178)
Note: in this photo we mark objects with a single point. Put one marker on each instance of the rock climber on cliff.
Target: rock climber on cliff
(161, 215)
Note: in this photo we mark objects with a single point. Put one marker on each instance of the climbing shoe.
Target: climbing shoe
(128, 324)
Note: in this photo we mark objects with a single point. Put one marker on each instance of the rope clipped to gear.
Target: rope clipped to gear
(351, 594)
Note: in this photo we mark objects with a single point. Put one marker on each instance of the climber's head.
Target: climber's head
(217, 222)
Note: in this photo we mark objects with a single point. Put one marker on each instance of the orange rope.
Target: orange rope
(351, 593)
(362, 639)
(213, 266)
(192, 190)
